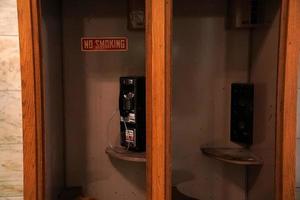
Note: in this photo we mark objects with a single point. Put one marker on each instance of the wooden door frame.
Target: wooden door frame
(159, 99)
(286, 120)
(158, 75)
(32, 99)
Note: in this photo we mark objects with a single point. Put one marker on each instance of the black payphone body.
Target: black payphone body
(132, 106)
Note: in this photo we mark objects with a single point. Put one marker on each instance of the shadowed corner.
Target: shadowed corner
(181, 176)
(177, 195)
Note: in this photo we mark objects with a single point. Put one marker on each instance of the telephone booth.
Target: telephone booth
(159, 100)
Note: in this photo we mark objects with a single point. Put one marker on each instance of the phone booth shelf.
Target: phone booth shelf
(123, 154)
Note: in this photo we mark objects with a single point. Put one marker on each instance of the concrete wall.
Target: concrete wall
(11, 166)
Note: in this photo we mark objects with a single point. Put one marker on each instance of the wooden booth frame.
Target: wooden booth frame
(158, 73)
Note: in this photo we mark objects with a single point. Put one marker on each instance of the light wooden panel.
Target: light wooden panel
(11, 163)
(11, 189)
(9, 63)
(11, 168)
(10, 117)
(8, 18)
(11, 172)
(158, 53)
(286, 105)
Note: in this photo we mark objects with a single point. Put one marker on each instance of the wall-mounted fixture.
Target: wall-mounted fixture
(246, 13)
(133, 113)
(136, 14)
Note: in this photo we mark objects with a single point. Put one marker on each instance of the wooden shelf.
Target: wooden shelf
(236, 156)
(123, 154)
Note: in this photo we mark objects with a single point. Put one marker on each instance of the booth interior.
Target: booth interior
(215, 47)
(224, 52)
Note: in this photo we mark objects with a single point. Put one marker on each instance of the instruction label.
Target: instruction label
(104, 44)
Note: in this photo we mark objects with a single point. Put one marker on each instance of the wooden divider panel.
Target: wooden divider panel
(158, 34)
